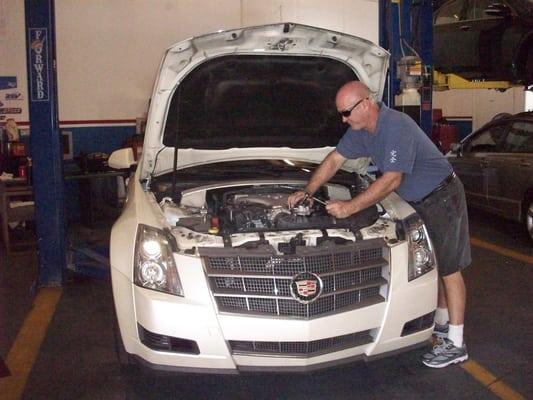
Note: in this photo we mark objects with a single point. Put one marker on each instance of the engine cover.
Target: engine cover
(263, 209)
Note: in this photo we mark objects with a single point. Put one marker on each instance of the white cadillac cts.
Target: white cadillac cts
(211, 271)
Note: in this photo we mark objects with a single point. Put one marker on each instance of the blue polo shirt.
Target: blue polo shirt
(398, 144)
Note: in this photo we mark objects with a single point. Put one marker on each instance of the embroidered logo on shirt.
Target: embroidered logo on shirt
(393, 155)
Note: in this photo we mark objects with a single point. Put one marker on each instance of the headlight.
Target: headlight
(154, 263)
(421, 255)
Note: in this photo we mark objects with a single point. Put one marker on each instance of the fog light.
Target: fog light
(418, 324)
(167, 343)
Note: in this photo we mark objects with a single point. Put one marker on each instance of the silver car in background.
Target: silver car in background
(495, 164)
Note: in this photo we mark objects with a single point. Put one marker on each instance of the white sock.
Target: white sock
(441, 316)
(455, 334)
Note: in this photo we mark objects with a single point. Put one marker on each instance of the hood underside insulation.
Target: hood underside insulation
(258, 101)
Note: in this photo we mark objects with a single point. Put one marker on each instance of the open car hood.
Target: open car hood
(260, 92)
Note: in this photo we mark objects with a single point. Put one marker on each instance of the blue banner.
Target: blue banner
(39, 78)
(8, 82)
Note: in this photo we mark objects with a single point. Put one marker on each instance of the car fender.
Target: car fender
(528, 198)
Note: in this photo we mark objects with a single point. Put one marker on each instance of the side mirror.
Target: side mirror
(456, 148)
(122, 159)
(497, 10)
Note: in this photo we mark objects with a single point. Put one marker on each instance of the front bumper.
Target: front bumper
(194, 318)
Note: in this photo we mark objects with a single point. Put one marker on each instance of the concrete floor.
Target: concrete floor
(77, 359)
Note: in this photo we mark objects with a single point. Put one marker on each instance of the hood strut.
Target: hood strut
(175, 164)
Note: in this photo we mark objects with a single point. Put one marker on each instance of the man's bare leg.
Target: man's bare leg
(455, 297)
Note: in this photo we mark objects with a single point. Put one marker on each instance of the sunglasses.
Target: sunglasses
(347, 113)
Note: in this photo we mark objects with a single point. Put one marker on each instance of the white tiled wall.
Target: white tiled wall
(108, 51)
(12, 50)
(479, 104)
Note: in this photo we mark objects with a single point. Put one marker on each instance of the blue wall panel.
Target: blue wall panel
(102, 139)
(99, 139)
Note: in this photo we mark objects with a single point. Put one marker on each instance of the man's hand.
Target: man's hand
(340, 209)
(297, 197)
(323, 173)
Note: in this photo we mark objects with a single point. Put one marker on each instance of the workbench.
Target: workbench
(11, 191)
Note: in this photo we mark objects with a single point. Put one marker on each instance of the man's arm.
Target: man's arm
(378, 190)
(328, 167)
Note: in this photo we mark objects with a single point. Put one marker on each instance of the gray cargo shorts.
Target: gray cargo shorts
(445, 214)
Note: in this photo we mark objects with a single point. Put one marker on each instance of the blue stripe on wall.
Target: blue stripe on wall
(103, 139)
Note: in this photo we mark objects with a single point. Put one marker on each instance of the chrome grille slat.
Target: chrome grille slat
(258, 283)
(224, 291)
(301, 349)
(362, 266)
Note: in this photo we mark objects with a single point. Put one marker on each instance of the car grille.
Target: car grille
(258, 282)
(301, 349)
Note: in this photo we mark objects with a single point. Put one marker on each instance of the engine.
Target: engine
(269, 211)
(261, 209)
(244, 209)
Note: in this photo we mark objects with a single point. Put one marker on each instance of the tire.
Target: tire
(529, 66)
(529, 220)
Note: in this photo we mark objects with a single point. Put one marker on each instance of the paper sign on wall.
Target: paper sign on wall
(11, 110)
(8, 82)
(9, 96)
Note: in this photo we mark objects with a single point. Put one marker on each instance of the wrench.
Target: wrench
(318, 200)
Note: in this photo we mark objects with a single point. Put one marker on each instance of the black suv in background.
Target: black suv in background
(484, 39)
(495, 164)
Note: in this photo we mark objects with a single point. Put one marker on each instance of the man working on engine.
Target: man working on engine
(412, 166)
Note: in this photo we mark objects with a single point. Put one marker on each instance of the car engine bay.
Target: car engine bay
(244, 204)
(246, 208)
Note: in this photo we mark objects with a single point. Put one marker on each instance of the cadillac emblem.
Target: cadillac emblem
(306, 287)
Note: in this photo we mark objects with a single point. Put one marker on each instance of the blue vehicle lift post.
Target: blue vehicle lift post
(45, 143)
(396, 22)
